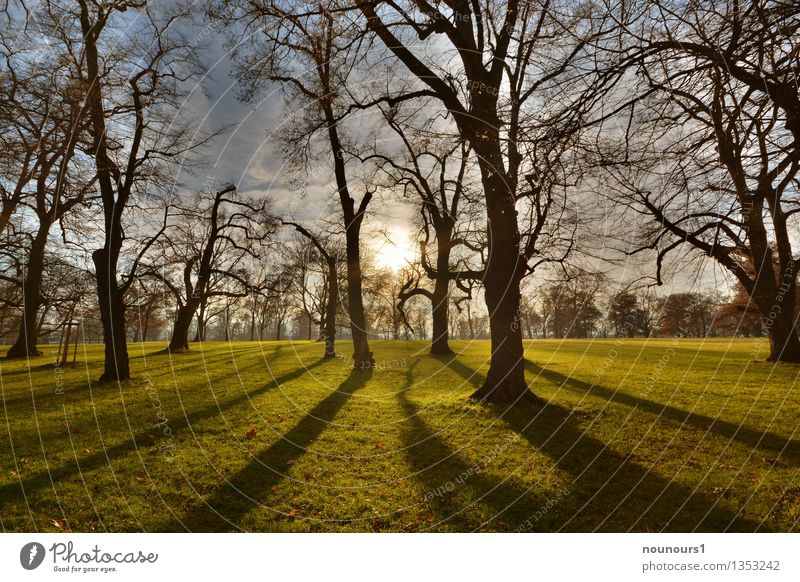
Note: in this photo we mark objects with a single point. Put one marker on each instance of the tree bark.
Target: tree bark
(362, 357)
(783, 342)
(505, 381)
(329, 331)
(25, 344)
(180, 329)
(112, 316)
(440, 301)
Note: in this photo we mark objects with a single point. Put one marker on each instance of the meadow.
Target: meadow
(637, 435)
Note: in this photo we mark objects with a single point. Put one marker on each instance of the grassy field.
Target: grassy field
(663, 435)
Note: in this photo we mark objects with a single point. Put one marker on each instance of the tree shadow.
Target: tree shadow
(44, 394)
(786, 448)
(252, 485)
(609, 491)
(454, 490)
(29, 369)
(142, 442)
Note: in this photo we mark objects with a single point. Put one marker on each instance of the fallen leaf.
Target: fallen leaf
(250, 433)
(75, 430)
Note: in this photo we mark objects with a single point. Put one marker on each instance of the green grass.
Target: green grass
(663, 435)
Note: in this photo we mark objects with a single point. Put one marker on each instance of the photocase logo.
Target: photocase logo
(31, 555)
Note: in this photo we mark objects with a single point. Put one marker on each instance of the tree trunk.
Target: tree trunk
(253, 324)
(505, 381)
(200, 334)
(783, 341)
(112, 316)
(775, 294)
(227, 333)
(180, 329)
(329, 331)
(25, 345)
(362, 357)
(440, 302)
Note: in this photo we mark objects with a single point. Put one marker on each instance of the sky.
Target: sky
(246, 155)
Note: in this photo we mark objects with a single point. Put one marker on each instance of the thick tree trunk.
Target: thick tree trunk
(25, 345)
(362, 357)
(505, 381)
(329, 329)
(112, 316)
(784, 345)
(775, 293)
(441, 297)
(441, 336)
(180, 329)
(778, 310)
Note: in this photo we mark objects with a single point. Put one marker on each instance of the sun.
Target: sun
(394, 249)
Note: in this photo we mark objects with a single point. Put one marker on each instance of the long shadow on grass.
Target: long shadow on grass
(788, 449)
(610, 492)
(143, 441)
(250, 487)
(45, 392)
(454, 490)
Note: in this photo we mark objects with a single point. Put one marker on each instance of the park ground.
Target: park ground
(656, 435)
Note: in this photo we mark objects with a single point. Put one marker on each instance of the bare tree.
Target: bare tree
(710, 144)
(491, 62)
(211, 243)
(290, 40)
(133, 74)
(331, 296)
(433, 172)
(51, 114)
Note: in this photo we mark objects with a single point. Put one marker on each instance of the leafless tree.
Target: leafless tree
(208, 249)
(495, 68)
(331, 286)
(287, 41)
(142, 69)
(48, 111)
(430, 169)
(710, 142)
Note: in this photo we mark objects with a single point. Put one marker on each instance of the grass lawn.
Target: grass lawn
(662, 435)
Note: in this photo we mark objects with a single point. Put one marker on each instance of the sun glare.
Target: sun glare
(394, 250)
